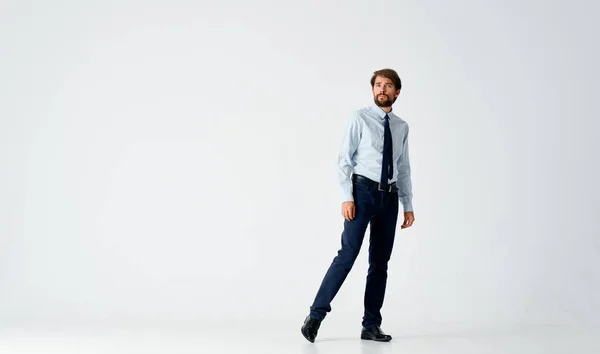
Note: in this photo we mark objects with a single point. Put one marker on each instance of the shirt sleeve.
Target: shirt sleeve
(404, 182)
(348, 147)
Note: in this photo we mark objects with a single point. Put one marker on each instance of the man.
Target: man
(374, 172)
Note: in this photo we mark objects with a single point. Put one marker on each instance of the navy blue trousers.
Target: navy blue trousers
(380, 211)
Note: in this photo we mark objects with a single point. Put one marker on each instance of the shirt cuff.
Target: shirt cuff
(406, 204)
(347, 197)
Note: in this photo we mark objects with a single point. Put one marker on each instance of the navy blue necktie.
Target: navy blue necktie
(387, 168)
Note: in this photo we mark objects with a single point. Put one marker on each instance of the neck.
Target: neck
(386, 109)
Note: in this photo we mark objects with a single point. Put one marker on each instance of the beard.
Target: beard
(383, 101)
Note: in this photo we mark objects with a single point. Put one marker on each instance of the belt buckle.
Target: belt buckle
(382, 189)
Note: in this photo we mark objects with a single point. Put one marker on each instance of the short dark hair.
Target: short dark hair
(390, 74)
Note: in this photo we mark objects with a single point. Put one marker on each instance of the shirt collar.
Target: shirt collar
(380, 112)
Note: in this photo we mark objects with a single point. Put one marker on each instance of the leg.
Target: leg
(383, 230)
(352, 239)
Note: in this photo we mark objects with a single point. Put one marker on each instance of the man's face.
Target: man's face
(384, 92)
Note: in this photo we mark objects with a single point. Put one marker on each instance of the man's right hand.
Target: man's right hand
(348, 210)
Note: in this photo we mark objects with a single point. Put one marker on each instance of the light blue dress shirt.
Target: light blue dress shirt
(361, 152)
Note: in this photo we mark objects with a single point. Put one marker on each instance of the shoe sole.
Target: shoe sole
(376, 340)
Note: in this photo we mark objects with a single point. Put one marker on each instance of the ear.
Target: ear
(397, 93)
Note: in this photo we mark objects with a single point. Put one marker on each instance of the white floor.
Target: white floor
(285, 338)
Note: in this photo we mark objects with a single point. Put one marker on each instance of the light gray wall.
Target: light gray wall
(175, 160)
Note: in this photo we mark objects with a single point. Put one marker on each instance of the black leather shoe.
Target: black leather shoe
(375, 333)
(310, 328)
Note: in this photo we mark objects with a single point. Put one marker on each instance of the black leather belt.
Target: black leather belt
(374, 185)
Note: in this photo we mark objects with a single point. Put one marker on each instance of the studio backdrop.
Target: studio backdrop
(175, 161)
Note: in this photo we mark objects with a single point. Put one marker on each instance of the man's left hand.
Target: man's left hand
(409, 218)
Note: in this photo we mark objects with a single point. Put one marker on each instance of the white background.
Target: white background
(174, 161)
